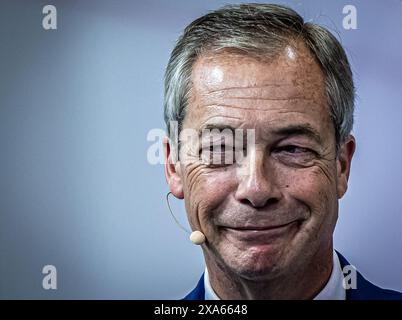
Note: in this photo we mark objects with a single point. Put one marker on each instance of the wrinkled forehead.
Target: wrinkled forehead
(241, 86)
(293, 71)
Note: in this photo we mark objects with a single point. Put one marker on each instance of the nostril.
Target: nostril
(260, 204)
(271, 201)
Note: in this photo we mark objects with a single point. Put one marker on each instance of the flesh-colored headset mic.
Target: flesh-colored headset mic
(196, 237)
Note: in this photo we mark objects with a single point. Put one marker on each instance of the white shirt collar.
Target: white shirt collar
(333, 290)
(209, 292)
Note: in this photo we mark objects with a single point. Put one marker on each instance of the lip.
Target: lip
(259, 233)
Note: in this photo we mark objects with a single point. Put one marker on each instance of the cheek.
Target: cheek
(314, 186)
(205, 190)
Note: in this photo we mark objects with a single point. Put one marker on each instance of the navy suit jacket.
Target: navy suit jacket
(365, 290)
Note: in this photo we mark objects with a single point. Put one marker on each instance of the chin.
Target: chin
(256, 263)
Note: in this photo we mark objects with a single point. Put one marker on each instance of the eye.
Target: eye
(218, 148)
(293, 149)
(293, 155)
(217, 155)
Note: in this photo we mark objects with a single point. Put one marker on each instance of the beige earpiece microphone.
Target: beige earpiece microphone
(196, 237)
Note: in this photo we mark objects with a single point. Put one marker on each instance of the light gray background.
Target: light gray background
(76, 190)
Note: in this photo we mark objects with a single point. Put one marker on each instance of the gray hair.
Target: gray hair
(262, 30)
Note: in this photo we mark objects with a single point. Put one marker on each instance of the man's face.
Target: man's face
(276, 205)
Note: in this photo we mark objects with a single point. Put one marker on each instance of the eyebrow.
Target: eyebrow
(299, 130)
(288, 131)
(219, 127)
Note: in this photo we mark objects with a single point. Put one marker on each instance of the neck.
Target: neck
(304, 282)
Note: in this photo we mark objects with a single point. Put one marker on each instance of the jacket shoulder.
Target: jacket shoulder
(365, 290)
(198, 293)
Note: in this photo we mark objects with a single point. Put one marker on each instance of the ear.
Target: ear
(343, 164)
(172, 170)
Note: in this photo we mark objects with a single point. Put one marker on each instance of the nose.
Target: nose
(257, 181)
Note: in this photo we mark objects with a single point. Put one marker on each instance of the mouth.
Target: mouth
(260, 234)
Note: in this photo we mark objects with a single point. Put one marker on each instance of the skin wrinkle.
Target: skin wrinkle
(208, 119)
(269, 186)
(269, 99)
(249, 108)
(219, 116)
(276, 85)
(254, 93)
(193, 174)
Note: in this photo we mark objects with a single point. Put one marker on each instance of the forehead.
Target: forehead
(294, 65)
(236, 85)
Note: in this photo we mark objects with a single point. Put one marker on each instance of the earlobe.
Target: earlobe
(175, 182)
(172, 171)
(344, 161)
